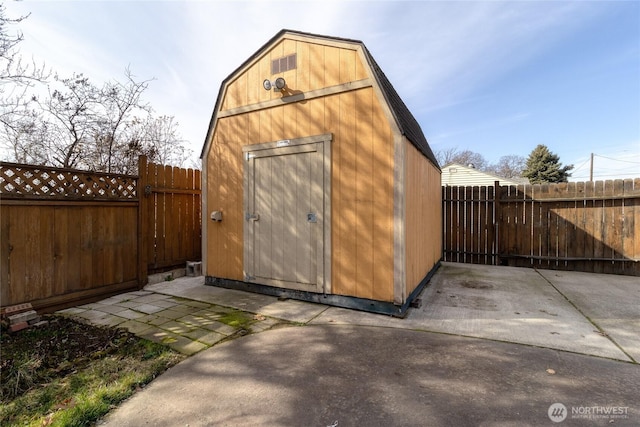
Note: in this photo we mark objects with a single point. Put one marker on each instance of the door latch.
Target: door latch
(311, 217)
(251, 217)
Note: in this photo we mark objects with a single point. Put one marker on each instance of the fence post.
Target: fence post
(496, 223)
(143, 199)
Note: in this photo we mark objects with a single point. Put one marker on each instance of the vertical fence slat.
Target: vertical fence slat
(60, 250)
(178, 221)
(589, 219)
(598, 225)
(448, 242)
(452, 230)
(616, 240)
(466, 225)
(33, 253)
(19, 253)
(455, 231)
(631, 240)
(635, 228)
(142, 225)
(189, 220)
(579, 245)
(522, 224)
(162, 208)
(197, 241)
(152, 221)
(46, 251)
(560, 212)
(5, 252)
(98, 240)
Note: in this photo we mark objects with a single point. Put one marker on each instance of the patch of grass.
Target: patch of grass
(237, 319)
(79, 372)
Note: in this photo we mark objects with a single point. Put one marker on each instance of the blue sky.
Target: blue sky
(493, 77)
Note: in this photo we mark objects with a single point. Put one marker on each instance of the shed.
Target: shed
(318, 183)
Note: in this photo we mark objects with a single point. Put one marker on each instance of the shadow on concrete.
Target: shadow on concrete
(320, 375)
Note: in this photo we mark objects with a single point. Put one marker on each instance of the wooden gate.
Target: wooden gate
(171, 215)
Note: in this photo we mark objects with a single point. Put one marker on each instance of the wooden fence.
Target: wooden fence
(171, 211)
(582, 226)
(68, 236)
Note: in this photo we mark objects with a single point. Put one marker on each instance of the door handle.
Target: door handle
(251, 217)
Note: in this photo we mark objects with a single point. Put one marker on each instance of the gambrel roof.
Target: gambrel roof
(405, 121)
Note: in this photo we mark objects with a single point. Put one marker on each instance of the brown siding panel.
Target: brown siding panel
(424, 217)
(361, 226)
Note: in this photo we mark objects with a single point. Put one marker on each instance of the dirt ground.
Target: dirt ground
(39, 355)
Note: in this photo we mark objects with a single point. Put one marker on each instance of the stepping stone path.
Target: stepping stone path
(185, 325)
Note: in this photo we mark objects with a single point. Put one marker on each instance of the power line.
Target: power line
(591, 160)
(617, 160)
(578, 168)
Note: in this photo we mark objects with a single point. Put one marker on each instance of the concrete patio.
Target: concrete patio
(489, 346)
(592, 314)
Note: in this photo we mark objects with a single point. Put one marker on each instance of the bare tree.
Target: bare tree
(16, 75)
(465, 157)
(157, 138)
(162, 134)
(120, 102)
(446, 156)
(67, 118)
(78, 124)
(510, 166)
(72, 122)
(81, 125)
(13, 69)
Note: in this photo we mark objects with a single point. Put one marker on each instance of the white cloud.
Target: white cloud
(462, 45)
(437, 54)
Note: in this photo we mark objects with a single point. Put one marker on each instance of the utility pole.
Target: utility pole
(591, 169)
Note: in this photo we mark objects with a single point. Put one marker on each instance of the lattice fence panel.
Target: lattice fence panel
(45, 182)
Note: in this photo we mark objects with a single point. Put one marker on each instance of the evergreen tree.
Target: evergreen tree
(544, 166)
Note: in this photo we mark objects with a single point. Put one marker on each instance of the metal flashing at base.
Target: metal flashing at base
(362, 304)
(420, 287)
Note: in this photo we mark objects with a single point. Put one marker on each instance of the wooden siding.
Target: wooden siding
(224, 240)
(318, 66)
(583, 226)
(423, 217)
(362, 184)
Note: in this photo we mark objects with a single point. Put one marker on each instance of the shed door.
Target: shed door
(284, 214)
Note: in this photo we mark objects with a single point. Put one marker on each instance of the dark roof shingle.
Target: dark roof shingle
(406, 121)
